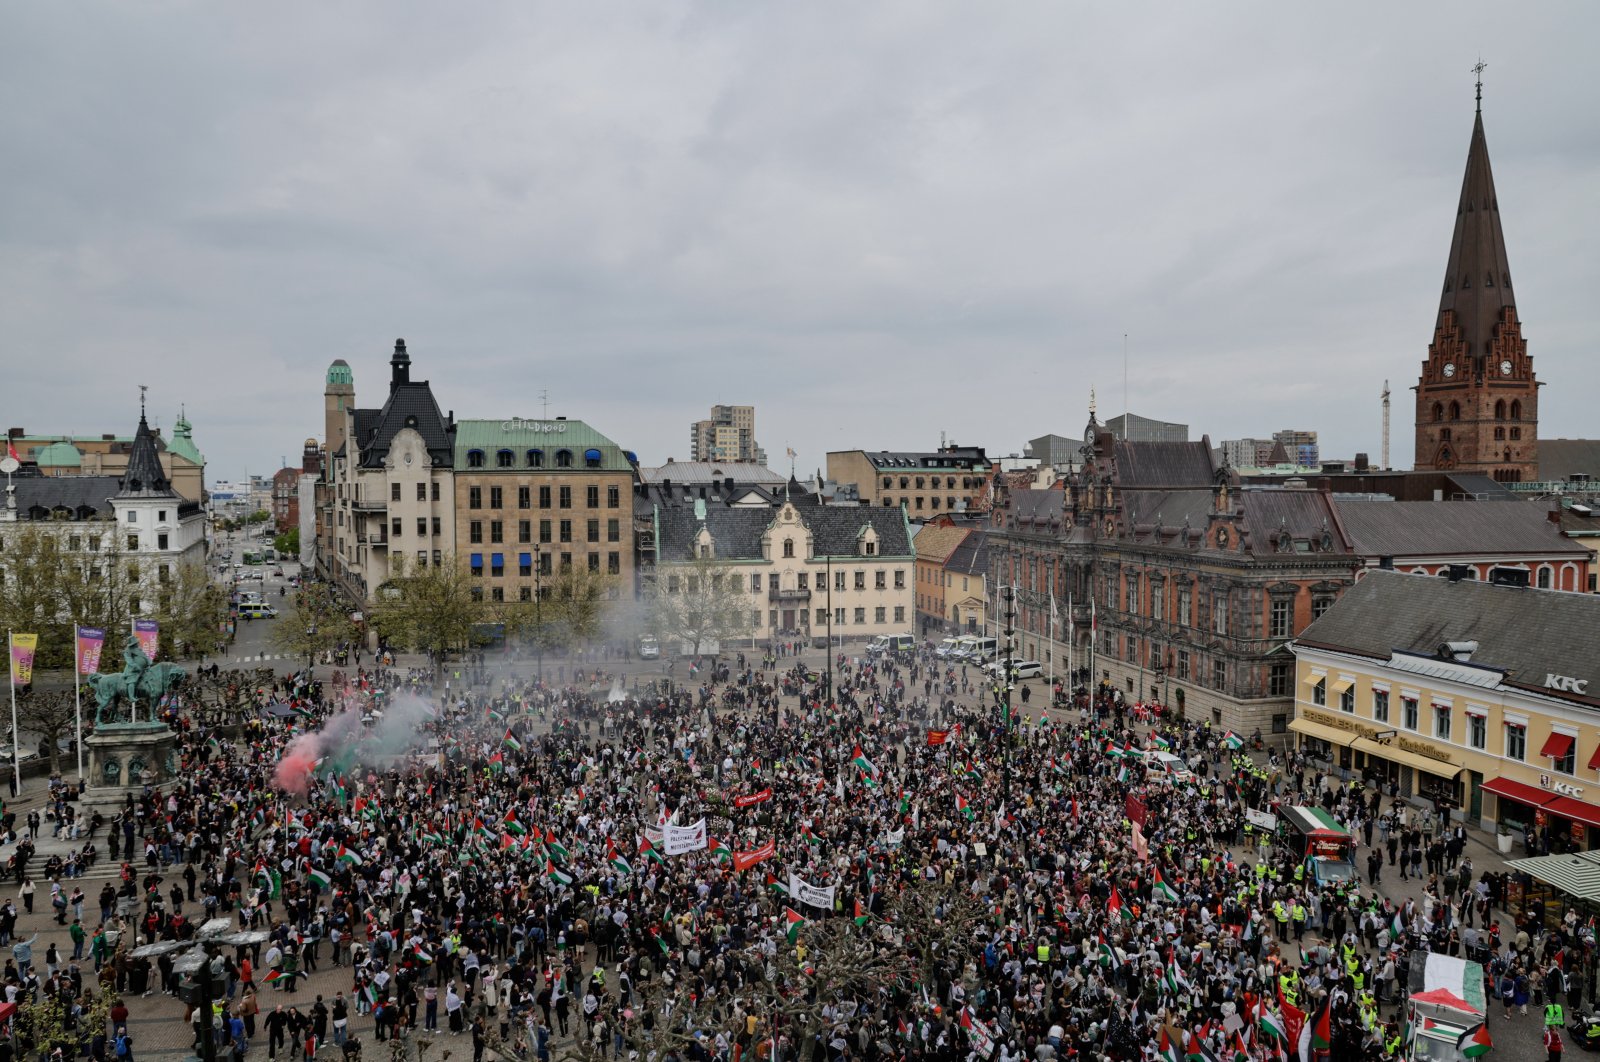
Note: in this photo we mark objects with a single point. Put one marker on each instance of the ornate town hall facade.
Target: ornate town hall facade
(1477, 399)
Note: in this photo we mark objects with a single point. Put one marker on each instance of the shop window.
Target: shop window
(1319, 693)
(1477, 731)
(1441, 722)
(1408, 712)
(1516, 741)
(1380, 706)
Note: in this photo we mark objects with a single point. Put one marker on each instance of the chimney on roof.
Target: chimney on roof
(1460, 652)
(1362, 464)
(399, 366)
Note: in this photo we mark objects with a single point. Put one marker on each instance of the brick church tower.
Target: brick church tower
(1477, 398)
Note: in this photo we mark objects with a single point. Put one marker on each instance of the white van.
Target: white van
(946, 648)
(981, 650)
(258, 610)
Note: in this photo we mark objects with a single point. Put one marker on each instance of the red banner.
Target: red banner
(746, 860)
(1133, 809)
(753, 799)
(938, 737)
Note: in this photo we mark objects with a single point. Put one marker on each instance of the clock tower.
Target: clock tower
(1477, 398)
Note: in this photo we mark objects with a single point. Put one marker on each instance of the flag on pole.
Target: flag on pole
(1108, 954)
(1270, 1022)
(1233, 741)
(720, 851)
(511, 741)
(1114, 906)
(347, 855)
(648, 850)
(511, 825)
(556, 874)
(964, 806)
(938, 737)
(1163, 890)
(1174, 976)
(23, 648)
(859, 758)
(321, 878)
(1167, 1051)
(11, 451)
(793, 921)
(90, 640)
(1475, 1041)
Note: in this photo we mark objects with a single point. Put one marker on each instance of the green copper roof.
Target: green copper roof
(339, 373)
(519, 435)
(182, 442)
(60, 454)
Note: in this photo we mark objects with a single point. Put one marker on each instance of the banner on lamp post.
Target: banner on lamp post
(23, 646)
(90, 641)
(148, 631)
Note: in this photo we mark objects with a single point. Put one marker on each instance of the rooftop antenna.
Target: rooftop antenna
(1126, 409)
(1386, 425)
(544, 403)
(1479, 69)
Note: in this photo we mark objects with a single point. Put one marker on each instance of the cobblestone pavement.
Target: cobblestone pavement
(156, 1020)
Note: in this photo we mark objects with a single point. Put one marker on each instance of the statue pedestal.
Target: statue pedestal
(123, 759)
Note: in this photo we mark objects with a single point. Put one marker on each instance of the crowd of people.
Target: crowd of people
(756, 866)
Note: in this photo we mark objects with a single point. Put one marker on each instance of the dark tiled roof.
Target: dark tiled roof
(737, 532)
(1038, 506)
(1528, 633)
(1163, 464)
(1452, 528)
(1171, 509)
(1477, 278)
(1560, 458)
(971, 557)
(957, 457)
(1307, 516)
(143, 477)
(409, 405)
(74, 492)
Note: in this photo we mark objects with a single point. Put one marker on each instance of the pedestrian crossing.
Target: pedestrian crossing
(260, 658)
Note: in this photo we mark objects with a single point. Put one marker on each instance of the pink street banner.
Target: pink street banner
(23, 646)
(90, 641)
(149, 634)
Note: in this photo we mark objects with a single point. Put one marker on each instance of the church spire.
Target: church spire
(1477, 277)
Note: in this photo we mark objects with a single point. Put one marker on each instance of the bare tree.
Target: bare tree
(698, 603)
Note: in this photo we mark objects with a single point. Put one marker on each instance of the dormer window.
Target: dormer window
(504, 459)
(563, 458)
(535, 458)
(474, 458)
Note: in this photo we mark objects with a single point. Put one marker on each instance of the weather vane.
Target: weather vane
(142, 390)
(1479, 69)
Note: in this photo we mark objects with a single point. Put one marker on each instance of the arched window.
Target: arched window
(563, 458)
(788, 547)
(535, 458)
(1438, 411)
(474, 458)
(591, 458)
(1516, 409)
(504, 459)
(1455, 410)
(1499, 433)
(1500, 409)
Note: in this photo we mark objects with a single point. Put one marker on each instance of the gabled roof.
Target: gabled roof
(1528, 633)
(1477, 277)
(737, 532)
(1163, 464)
(694, 473)
(1560, 458)
(935, 544)
(1302, 520)
(971, 556)
(1452, 528)
(75, 493)
(143, 477)
(410, 405)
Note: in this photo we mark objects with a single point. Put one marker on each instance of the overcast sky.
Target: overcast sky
(876, 222)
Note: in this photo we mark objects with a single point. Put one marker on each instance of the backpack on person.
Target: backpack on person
(122, 1047)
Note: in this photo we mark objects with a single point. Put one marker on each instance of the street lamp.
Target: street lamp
(538, 610)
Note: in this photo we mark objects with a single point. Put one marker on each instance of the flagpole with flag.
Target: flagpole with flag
(77, 694)
(1094, 632)
(1054, 645)
(16, 734)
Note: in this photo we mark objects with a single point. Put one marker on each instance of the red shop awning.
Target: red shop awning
(1557, 746)
(1521, 792)
(1594, 761)
(1576, 810)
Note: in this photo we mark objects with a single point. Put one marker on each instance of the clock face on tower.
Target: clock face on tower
(1505, 368)
(1449, 369)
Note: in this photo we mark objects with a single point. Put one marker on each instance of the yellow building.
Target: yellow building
(950, 479)
(1476, 698)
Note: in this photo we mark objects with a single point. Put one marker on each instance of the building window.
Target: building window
(525, 565)
(880, 614)
(1565, 764)
(544, 497)
(1282, 615)
(614, 563)
(1219, 612)
(1477, 731)
(899, 613)
(1408, 712)
(496, 498)
(822, 616)
(1280, 680)
(477, 593)
(497, 566)
(394, 492)
(1380, 706)
(438, 556)
(524, 497)
(566, 497)
(503, 459)
(861, 580)
(1441, 722)
(474, 497)
(1347, 700)
(394, 527)
(1185, 599)
(788, 547)
(803, 580)
(1219, 674)
(535, 458)
(1133, 595)
(422, 558)
(1319, 693)
(899, 579)
(422, 492)
(422, 527)
(563, 458)
(475, 531)
(477, 565)
(544, 531)
(524, 531)
(436, 525)
(1183, 664)
(1319, 605)
(566, 530)
(474, 458)
(861, 616)
(1544, 579)
(161, 541)
(593, 530)
(613, 496)
(497, 532)
(838, 616)
(524, 593)
(1158, 598)
(594, 562)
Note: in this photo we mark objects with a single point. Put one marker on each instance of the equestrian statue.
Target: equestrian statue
(118, 694)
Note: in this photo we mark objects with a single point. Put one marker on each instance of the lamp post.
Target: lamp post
(827, 563)
(1002, 691)
(538, 611)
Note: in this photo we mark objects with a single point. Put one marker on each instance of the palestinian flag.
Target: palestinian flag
(423, 957)
(1174, 977)
(1198, 1051)
(648, 850)
(720, 851)
(556, 874)
(964, 806)
(1113, 750)
(1114, 906)
(859, 758)
(1397, 928)
(371, 992)
(557, 849)
(1167, 1051)
(1319, 1029)
(1122, 773)
(1232, 741)
(1163, 890)
(511, 825)
(1238, 1052)
(615, 858)
(321, 877)
(511, 742)
(1108, 954)
(793, 921)
(497, 762)
(905, 802)
(970, 771)
(480, 829)
(1474, 1041)
(861, 915)
(272, 975)
(433, 838)
(1161, 742)
(777, 886)
(1270, 1022)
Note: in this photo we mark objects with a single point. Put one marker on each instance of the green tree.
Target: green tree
(576, 601)
(192, 610)
(260, 516)
(316, 623)
(431, 607)
(698, 603)
(288, 543)
(51, 578)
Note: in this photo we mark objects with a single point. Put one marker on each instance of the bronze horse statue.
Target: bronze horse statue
(139, 680)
